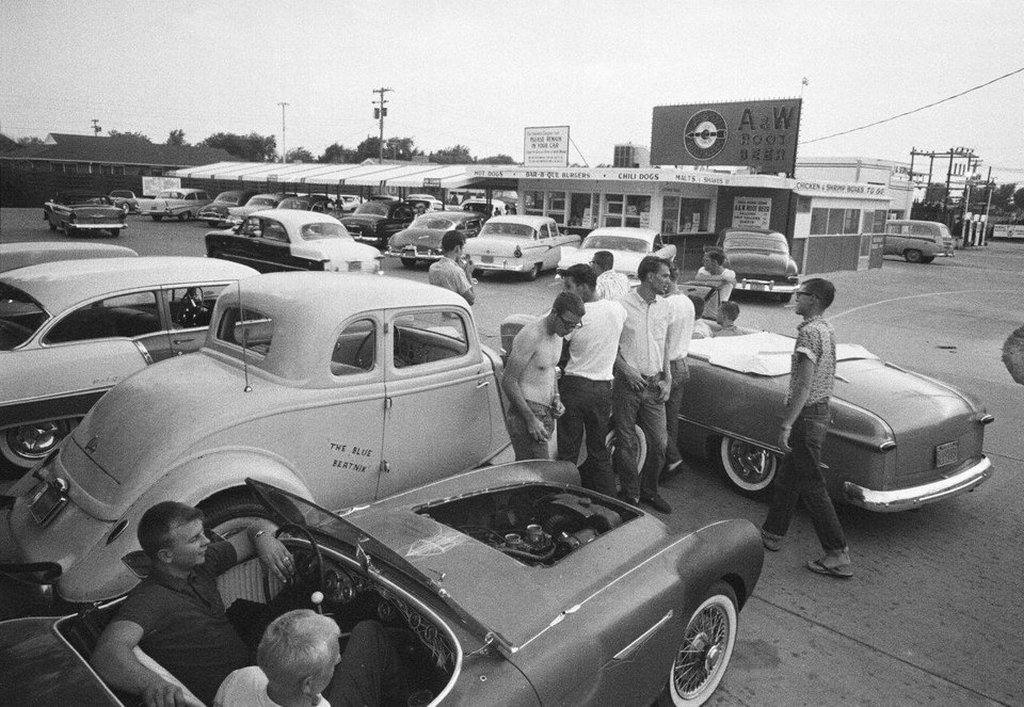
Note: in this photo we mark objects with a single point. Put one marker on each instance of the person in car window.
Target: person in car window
(193, 311)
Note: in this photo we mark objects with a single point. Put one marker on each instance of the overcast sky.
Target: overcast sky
(477, 72)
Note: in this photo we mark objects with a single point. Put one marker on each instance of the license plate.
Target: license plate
(757, 286)
(947, 453)
(354, 266)
(487, 259)
(47, 500)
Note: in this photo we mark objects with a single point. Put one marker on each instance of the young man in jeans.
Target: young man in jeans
(804, 425)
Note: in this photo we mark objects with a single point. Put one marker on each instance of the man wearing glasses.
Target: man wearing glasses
(804, 424)
(529, 379)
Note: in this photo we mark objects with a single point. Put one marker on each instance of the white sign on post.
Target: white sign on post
(151, 186)
(751, 212)
(546, 147)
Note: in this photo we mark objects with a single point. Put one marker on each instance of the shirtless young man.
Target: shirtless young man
(529, 379)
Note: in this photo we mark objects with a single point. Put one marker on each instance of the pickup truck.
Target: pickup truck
(341, 390)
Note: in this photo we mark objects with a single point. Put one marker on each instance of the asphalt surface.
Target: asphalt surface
(932, 616)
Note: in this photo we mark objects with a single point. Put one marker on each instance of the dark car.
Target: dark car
(216, 212)
(378, 219)
(760, 258)
(74, 213)
(422, 240)
(126, 199)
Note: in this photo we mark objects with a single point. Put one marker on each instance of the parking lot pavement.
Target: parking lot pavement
(933, 614)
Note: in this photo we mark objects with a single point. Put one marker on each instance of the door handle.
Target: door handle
(482, 384)
(178, 342)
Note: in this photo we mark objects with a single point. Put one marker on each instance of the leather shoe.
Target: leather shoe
(657, 503)
(629, 499)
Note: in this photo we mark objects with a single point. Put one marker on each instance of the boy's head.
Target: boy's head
(728, 313)
(298, 652)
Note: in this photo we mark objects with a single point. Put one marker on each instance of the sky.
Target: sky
(477, 72)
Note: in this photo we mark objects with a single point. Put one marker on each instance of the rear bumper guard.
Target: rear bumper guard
(917, 496)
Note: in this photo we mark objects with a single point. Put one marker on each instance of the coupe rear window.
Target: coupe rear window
(516, 230)
(372, 207)
(247, 328)
(230, 199)
(321, 231)
(630, 245)
(20, 317)
(262, 201)
(440, 224)
(750, 241)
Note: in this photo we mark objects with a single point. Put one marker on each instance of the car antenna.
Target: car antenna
(245, 337)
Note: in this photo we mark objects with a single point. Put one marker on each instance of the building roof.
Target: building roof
(400, 174)
(64, 147)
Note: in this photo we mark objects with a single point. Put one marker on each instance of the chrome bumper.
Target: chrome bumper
(96, 226)
(412, 254)
(917, 496)
(766, 286)
(504, 265)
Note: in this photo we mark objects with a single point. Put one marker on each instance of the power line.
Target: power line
(915, 110)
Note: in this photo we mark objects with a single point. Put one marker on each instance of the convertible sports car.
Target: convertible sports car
(629, 246)
(526, 245)
(289, 239)
(422, 240)
(76, 213)
(761, 261)
(70, 330)
(505, 585)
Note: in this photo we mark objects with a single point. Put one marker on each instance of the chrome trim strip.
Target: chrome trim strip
(916, 496)
(639, 640)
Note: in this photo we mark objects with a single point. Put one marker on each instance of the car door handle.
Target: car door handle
(482, 384)
(178, 342)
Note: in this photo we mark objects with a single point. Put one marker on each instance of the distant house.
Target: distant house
(31, 174)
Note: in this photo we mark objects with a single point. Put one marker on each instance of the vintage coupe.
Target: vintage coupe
(289, 239)
(78, 213)
(506, 585)
(525, 245)
(340, 389)
(761, 261)
(182, 204)
(376, 220)
(421, 242)
(70, 330)
(216, 212)
(21, 255)
(628, 244)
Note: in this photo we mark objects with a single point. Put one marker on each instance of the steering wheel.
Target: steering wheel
(318, 560)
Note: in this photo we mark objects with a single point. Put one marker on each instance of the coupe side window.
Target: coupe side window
(355, 351)
(192, 306)
(130, 315)
(425, 337)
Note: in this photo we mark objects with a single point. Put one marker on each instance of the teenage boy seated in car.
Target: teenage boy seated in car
(177, 616)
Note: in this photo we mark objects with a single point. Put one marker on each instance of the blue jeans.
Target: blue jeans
(645, 408)
(800, 476)
(588, 408)
(525, 446)
(680, 374)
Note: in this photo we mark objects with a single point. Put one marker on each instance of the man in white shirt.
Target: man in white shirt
(586, 384)
(450, 271)
(714, 272)
(679, 334)
(610, 284)
(643, 381)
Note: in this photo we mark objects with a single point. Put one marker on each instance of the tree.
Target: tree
(459, 154)
(500, 158)
(176, 137)
(129, 136)
(251, 148)
(300, 154)
(1018, 198)
(337, 154)
(7, 144)
(395, 148)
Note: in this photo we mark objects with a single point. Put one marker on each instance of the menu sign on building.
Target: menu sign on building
(751, 212)
(761, 135)
(546, 147)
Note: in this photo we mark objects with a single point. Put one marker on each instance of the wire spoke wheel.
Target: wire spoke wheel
(750, 468)
(706, 649)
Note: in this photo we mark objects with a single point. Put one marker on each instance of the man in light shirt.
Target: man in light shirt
(714, 273)
(679, 334)
(610, 284)
(586, 385)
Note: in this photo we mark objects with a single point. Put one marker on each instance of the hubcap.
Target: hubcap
(750, 462)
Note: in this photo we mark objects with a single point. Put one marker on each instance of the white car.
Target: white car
(628, 245)
(21, 255)
(290, 240)
(347, 203)
(182, 204)
(526, 245)
(70, 330)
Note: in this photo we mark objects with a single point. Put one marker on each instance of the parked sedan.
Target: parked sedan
(258, 202)
(182, 204)
(70, 330)
(554, 594)
(375, 221)
(761, 261)
(525, 245)
(422, 240)
(336, 388)
(125, 199)
(629, 245)
(78, 213)
(291, 239)
(216, 212)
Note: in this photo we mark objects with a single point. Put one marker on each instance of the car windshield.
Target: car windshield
(440, 224)
(755, 241)
(516, 230)
(20, 317)
(622, 243)
(323, 230)
(262, 201)
(74, 199)
(372, 207)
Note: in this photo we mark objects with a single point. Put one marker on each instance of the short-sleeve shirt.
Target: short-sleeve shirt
(816, 340)
(681, 326)
(445, 273)
(183, 624)
(593, 347)
(724, 282)
(248, 688)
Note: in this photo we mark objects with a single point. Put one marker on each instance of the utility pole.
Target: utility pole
(96, 129)
(284, 151)
(379, 112)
